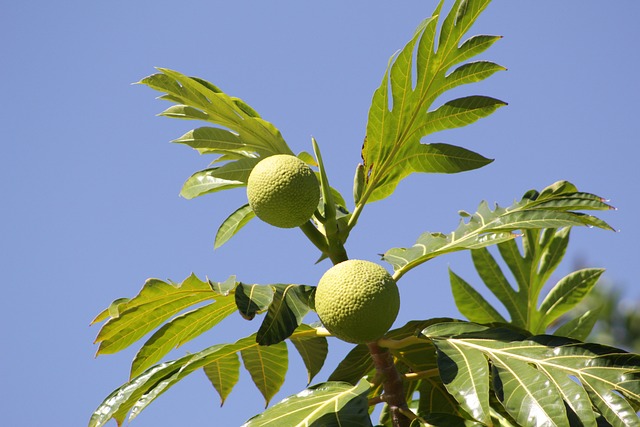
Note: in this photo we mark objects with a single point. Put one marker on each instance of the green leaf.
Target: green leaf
(253, 299)
(267, 366)
(465, 374)
(231, 175)
(567, 293)
(182, 329)
(527, 394)
(495, 280)
(356, 365)
(238, 219)
(224, 374)
(471, 304)
(132, 397)
(219, 108)
(579, 327)
(289, 306)
(156, 302)
(553, 252)
(208, 140)
(393, 147)
(331, 404)
(538, 377)
(487, 227)
(313, 350)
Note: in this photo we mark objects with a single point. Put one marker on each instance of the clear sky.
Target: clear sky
(90, 180)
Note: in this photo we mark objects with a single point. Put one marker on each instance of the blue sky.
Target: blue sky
(91, 182)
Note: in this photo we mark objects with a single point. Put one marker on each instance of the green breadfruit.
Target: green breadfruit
(357, 301)
(283, 191)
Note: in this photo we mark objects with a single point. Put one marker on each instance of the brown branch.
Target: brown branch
(392, 385)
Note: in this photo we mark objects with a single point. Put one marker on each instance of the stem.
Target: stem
(392, 384)
(316, 237)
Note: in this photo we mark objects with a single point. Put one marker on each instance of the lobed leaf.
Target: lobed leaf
(400, 114)
(542, 379)
(487, 227)
(156, 302)
(132, 397)
(331, 404)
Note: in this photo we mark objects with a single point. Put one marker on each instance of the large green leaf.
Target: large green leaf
(287, 309)
(267, 368)
(332, 404)
(548, 209)
(156, 302)
(201, 100)
(401, 115)
(542, 379)
(182, 329)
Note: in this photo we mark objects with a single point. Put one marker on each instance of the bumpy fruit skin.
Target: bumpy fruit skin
(357, 301)
(283, 191)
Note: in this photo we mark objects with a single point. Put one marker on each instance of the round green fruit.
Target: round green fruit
(283, 191)
(357, 301)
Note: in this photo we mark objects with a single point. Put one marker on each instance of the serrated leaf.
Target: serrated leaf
(313, 350)
(253, 299)
(471, 304)
(392, 147)
(209, 140)
(285, 313)
(234, 223)
(331, 404)
(487, 227)
(267, 366)
(224, 374)
(567, 293)
(156, 302)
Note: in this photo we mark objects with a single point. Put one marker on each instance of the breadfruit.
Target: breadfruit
(357, 301)
(283, 191)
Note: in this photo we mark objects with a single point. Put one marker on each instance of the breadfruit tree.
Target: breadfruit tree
(524, 363)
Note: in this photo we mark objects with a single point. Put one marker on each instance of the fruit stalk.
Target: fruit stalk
(392, 384)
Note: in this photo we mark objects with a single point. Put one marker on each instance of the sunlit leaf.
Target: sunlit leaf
(224, 374)
(267, 366)
(331, 404)
(134, 396)
(182, 329)
(487, 227)
(156, 302)
(401, 111)
(238, 219)
(542, 379)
